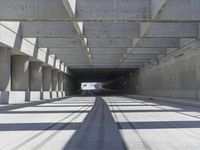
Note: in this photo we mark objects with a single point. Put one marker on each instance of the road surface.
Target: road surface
(100, 123)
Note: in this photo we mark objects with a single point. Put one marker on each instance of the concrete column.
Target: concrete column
(64, 82)
(67, 85)
(54, 80)
(20, 73)
(35, 81)
(5, 77)
(60, 84)
(35, 76)
(60, 81)
(47, 81)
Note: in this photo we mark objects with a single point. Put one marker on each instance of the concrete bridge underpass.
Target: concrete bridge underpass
(141, 57)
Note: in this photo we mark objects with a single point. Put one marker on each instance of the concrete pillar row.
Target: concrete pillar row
(5, 71)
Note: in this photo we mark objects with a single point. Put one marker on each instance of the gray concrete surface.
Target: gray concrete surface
(95, 123)
(54, 79)
(119, 25)
(5, 70)
(47, 85)
(175, 75)
(60, 81)
(35, 75)
(20, 73)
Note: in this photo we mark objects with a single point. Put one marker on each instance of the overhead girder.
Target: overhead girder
(92, 33)
(99, 10)
(61, 29)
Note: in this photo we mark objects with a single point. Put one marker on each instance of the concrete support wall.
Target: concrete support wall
(20, 73)
(5, 67)
(35, 81)
(60, 84)
(60, 81)
(47, 81)
(177, 75)
(65, 84)
(54, 80)
(35, 76)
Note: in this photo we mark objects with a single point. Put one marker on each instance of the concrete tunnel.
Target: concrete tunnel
(141, 57)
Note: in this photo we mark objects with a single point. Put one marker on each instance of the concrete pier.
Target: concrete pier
(100, 74)
(20, 73)
(35, 76)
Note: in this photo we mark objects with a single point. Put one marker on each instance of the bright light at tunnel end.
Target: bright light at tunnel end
(90, 85)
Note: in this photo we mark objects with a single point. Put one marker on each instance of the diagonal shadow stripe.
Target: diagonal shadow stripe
(29, 104)
(121, 125)
(86, 111)
(159, 125)
(36, 126)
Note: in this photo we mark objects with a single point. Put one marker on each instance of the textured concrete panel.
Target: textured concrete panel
(48, 29)
(109, 42)
(54, 80)
(181, 10)
(32, 10)
(68, 51)
(35, 76)
(147, 51)
(172, 30)
(113, 9)
(158, 42)
(111, 29)
(59, 42)
(20, 73)
(176, 77)
(60, 81)
(107, 51)
(47, 82)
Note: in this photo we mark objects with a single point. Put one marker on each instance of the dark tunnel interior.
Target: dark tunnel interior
(107, 80)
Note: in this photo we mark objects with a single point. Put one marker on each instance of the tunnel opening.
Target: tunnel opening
(90, 88)
(102, 81)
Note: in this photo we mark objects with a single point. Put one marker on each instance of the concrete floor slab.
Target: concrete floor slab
(107, 123)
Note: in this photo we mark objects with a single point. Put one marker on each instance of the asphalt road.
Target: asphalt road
(100, 123)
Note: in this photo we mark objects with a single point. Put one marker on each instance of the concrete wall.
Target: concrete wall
(176, 75)
(20, 73)
(35, 75)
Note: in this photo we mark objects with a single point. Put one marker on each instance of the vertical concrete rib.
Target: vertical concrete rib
(54, 80)
(60, 81)
(47, 82)
(20, 73)
(35, 76)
